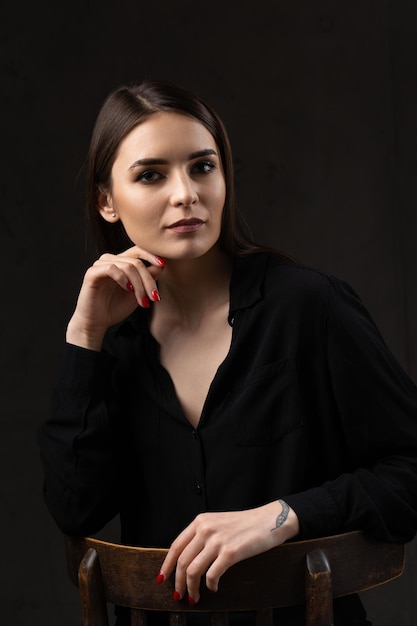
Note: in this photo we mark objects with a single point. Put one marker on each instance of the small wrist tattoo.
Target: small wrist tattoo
(282, 517)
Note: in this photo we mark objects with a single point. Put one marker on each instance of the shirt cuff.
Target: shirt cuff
(317, 513)
(84, 369)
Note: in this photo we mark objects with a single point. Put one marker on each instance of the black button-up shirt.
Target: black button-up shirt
(309, 405)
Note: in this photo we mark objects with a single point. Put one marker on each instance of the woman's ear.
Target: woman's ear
(105, 207)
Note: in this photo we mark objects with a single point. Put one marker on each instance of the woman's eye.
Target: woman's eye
(150, 176)
(204, 167)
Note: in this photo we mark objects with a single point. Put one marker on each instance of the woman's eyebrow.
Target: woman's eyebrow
(151, 161)
(201, 153)
(158, 161)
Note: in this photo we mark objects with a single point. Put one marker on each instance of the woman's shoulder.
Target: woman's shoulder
(282, 277)
(282, 271)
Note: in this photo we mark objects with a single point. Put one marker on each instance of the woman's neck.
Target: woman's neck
(190, 287)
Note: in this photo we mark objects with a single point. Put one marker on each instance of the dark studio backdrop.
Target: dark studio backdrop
(320, 100)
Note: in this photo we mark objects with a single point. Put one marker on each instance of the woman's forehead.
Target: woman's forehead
(165, 135)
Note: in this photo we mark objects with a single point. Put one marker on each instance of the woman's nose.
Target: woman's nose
(183, 191)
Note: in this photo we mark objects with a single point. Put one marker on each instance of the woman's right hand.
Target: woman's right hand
(112, 288)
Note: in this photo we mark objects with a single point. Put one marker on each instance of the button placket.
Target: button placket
(198, 475)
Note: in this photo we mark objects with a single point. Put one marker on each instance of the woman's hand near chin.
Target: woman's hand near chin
(112, 288)
(213, 542)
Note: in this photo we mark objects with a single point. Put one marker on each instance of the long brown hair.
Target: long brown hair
(126, 107)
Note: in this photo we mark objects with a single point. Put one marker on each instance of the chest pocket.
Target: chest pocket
(267, 405)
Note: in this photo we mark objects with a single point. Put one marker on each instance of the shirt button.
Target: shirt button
(198, 489)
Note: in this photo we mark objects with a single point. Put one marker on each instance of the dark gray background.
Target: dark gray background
(320, 100)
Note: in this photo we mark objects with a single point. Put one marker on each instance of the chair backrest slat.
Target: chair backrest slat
(138, 617)
(319, 592)
(92, 592)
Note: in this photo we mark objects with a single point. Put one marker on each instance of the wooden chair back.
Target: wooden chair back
(309, 572)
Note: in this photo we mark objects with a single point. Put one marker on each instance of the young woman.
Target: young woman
(218, 396)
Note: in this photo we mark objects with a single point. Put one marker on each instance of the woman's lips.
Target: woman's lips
(186, 226)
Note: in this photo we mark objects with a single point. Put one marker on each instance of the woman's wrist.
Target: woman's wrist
(285, 525)
(91, 339)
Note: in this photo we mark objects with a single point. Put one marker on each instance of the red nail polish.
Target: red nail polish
(145, 302)
(191, 600)
(160, 578)
(129, 286)
(176, 596)
(155, 295)
(160, 261)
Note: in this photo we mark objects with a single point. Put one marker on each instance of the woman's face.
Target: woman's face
(168, 187)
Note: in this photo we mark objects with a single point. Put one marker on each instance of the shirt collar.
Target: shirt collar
(247, 279)
(245, 287)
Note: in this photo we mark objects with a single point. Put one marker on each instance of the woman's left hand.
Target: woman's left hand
(215, 541)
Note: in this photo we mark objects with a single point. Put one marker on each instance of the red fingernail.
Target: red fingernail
(160, 578)
(191, 600)
(176, 596)
(160, 261)
(129, 286)
(155, 295)
(145, 302)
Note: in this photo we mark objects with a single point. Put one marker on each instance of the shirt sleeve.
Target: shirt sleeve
(77, 445)
(376, 406)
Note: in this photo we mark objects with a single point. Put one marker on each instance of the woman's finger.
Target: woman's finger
(132, 274)
(139, 253)
(175, 550)
(194, 572)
